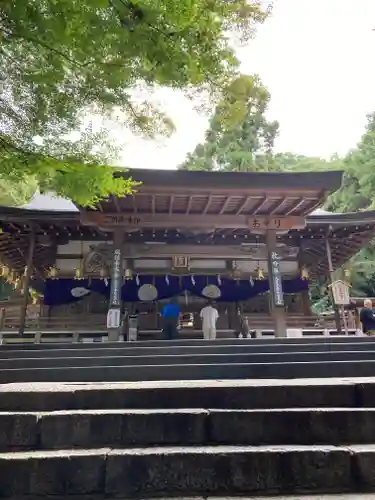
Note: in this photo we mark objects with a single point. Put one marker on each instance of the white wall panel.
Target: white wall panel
(75, 247)
(203, 264)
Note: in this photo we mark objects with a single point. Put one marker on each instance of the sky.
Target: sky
(317, 59)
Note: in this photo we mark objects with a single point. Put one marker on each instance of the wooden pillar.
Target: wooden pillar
(114, 311)
(331, 279)
(276, 288)
(304, 301)
(26, 283)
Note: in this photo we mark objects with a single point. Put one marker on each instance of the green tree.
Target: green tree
(17, 193)
(290, 162)
(60, 59)
(241, 143)
(357, 191)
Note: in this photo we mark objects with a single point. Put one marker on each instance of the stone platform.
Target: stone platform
(189, 360)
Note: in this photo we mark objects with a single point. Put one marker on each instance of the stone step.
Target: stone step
(108, 373)
(187, 359)
(342, 496)
(128, 349)
(219, 394)
(188, 471)
(140, 428)
(194, 342)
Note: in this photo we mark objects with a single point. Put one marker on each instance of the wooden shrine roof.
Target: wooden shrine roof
(225, 193)
(194, 196)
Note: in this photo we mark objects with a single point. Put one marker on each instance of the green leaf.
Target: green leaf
(61, 60)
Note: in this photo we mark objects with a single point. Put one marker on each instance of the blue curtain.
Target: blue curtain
(65, 291)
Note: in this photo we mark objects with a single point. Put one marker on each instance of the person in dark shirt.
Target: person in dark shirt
(170, 315)
(367, 318)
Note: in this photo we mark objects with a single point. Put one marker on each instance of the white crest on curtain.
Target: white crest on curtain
(211, 292)
(147, 293)
(79, 292)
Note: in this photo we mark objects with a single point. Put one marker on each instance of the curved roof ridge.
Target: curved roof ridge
(50, 202)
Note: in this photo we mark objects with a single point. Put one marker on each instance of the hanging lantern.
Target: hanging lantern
(16, 283)
(78, 274)
(34, 296)
(128, 274)
(4, 271)
(236, 274)
(11, 278)
(25, 270)
(259, 274)
(304, 274)
(347, 276)
(103, 273)
(53, 273)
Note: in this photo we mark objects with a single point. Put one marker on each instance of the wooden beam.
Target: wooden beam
(135, 208)
(320, 199)
(116, 203)
(243, 204)
(153, 204)
(225, 205)
(295, 207)
(190, 201)
(277, 206)
(260, 205)
(207, 207)
(178, 221)
(171, 202)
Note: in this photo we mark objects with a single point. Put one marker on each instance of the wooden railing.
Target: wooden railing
(11, 322)
(76, 327)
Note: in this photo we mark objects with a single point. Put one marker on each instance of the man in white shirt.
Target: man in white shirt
(209, 317)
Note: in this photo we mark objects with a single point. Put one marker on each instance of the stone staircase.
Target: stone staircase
(272, 438)
(184, 439)
(189, 360)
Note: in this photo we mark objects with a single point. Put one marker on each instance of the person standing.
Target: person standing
(209, 315)
(367, 318)
(170, 315)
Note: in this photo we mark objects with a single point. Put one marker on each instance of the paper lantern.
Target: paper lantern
(259, 274)
(77, 274)
(128, 275)
(53, 273)
(304, 273)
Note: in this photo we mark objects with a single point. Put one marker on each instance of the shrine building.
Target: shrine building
(251, 242)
